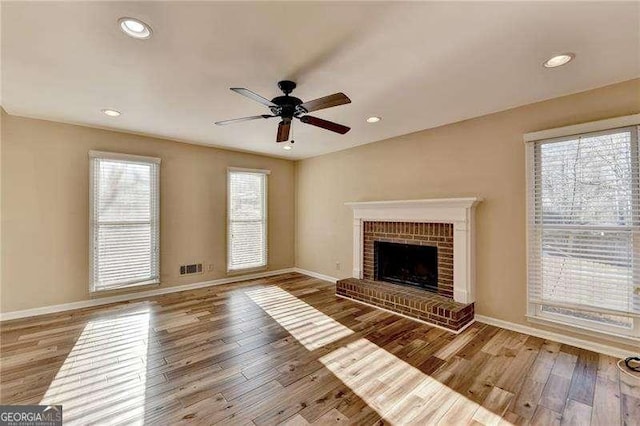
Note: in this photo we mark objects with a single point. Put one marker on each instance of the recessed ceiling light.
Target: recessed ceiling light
(135, 28)
(373, 119)
(287, 147)
(559, 60)
(111, 112)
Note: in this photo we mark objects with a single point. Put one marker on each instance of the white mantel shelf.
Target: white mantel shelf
(432, 202)
(458, 211)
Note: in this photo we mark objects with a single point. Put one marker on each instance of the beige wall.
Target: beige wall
(45, 208)
(482, 157)
(44, 202)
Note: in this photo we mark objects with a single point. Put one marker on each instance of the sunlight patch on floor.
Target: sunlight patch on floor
(305, 323)
(103, 377)
(399, 392)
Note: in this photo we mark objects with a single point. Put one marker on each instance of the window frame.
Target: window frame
(535, 311)
(154, 220)
(264, 220)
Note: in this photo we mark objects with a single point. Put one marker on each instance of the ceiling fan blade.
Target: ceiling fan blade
(329, 125)
(326, 102)
(252, 95)
(283, 131)
(238, 120)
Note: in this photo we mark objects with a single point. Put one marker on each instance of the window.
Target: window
(584, 231)
(125, 199)
(247, 219)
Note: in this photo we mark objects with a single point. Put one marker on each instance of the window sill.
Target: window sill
(587, 331)
(128, 287)
(234, 272)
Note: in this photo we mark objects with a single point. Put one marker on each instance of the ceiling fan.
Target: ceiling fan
(289, 107)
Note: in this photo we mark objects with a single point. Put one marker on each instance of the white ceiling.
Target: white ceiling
(417, 65)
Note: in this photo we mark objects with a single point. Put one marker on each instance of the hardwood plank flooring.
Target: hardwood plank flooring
(286, 350)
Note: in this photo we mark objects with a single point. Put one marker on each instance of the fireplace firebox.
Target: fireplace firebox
(408, 264)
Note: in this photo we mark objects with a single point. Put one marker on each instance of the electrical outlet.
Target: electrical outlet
(210, 267)
(337, 266)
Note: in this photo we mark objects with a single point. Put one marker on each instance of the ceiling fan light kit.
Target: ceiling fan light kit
(289, 107)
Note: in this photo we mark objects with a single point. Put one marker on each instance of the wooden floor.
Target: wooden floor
(286, 350)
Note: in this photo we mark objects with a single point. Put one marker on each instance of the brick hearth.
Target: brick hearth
(416, 303)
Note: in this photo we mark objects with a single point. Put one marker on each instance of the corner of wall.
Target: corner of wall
(296, 165)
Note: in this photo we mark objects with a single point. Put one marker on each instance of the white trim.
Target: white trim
(466, 203)
(127, 287)
(534, 312)
(529, 152)
(458, 211)
(246, 170)
(580, 343)
(265, 219)
(154, 220)
(593, 126)
(316, 275)
(408, 317)
(334, 280)
(121, 156)
(6, 316)
(250, 270)
(578, 325)
(557, 337)
(590, 324)
(563, 338)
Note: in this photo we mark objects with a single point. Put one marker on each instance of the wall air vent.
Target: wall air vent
(195, 268)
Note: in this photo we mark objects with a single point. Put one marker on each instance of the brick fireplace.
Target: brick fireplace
(438, 235)
(438, 290)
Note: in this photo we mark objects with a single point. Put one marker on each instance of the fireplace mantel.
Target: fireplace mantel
(458, 211)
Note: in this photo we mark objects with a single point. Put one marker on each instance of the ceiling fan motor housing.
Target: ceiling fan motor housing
(287, 106)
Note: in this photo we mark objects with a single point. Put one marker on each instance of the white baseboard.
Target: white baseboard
(5, 316)
(334, 279)
(557, 337)
(316, 275)
(573, 341)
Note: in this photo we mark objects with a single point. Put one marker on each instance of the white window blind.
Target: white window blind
(247, 219)
(125, 200)
(583, 226)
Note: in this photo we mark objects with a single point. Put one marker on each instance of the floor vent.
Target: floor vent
(196, 268)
